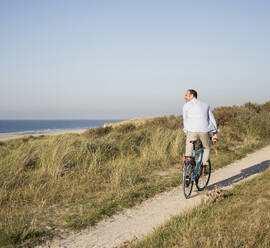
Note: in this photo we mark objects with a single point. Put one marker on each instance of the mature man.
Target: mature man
(199, 121)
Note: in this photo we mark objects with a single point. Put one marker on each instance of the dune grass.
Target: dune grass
(241, 219)
(67, 182)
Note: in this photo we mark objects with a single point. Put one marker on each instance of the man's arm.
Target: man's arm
(213, 126)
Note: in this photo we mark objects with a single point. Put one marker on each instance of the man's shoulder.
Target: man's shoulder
(203, 104)
(187, 105)
(195, 102)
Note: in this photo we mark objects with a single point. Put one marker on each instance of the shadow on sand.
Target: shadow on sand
(257, 168)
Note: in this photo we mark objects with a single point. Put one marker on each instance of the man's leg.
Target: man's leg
(189, 146)
(205, 139)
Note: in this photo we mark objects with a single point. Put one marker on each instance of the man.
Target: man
(199, 121)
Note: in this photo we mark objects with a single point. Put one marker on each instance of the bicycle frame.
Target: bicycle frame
(195, 152)
(199, 161)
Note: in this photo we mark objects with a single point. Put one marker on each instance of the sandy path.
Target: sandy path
(141, 220)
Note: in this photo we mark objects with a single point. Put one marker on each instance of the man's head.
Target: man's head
(190, 94)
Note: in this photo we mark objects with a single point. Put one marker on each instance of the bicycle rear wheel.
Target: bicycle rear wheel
(203, 177)
(187, 180)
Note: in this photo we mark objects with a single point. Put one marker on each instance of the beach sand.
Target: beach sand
(6, 136)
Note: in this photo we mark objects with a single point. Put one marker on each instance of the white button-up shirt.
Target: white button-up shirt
(198, 117)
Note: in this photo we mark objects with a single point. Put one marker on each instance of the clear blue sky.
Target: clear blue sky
(96, 59)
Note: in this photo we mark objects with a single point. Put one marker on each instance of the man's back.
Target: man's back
(196, 116)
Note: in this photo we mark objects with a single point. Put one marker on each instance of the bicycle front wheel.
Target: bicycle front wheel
(187, 180)
(203, 177)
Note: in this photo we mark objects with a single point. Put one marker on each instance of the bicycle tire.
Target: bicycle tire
(187, 181)
(203, 180)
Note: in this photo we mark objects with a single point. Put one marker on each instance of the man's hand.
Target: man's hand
(215, 137)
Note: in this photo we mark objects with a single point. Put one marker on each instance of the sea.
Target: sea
(40, 126)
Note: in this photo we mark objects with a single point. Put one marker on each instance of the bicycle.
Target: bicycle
(193, 172)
